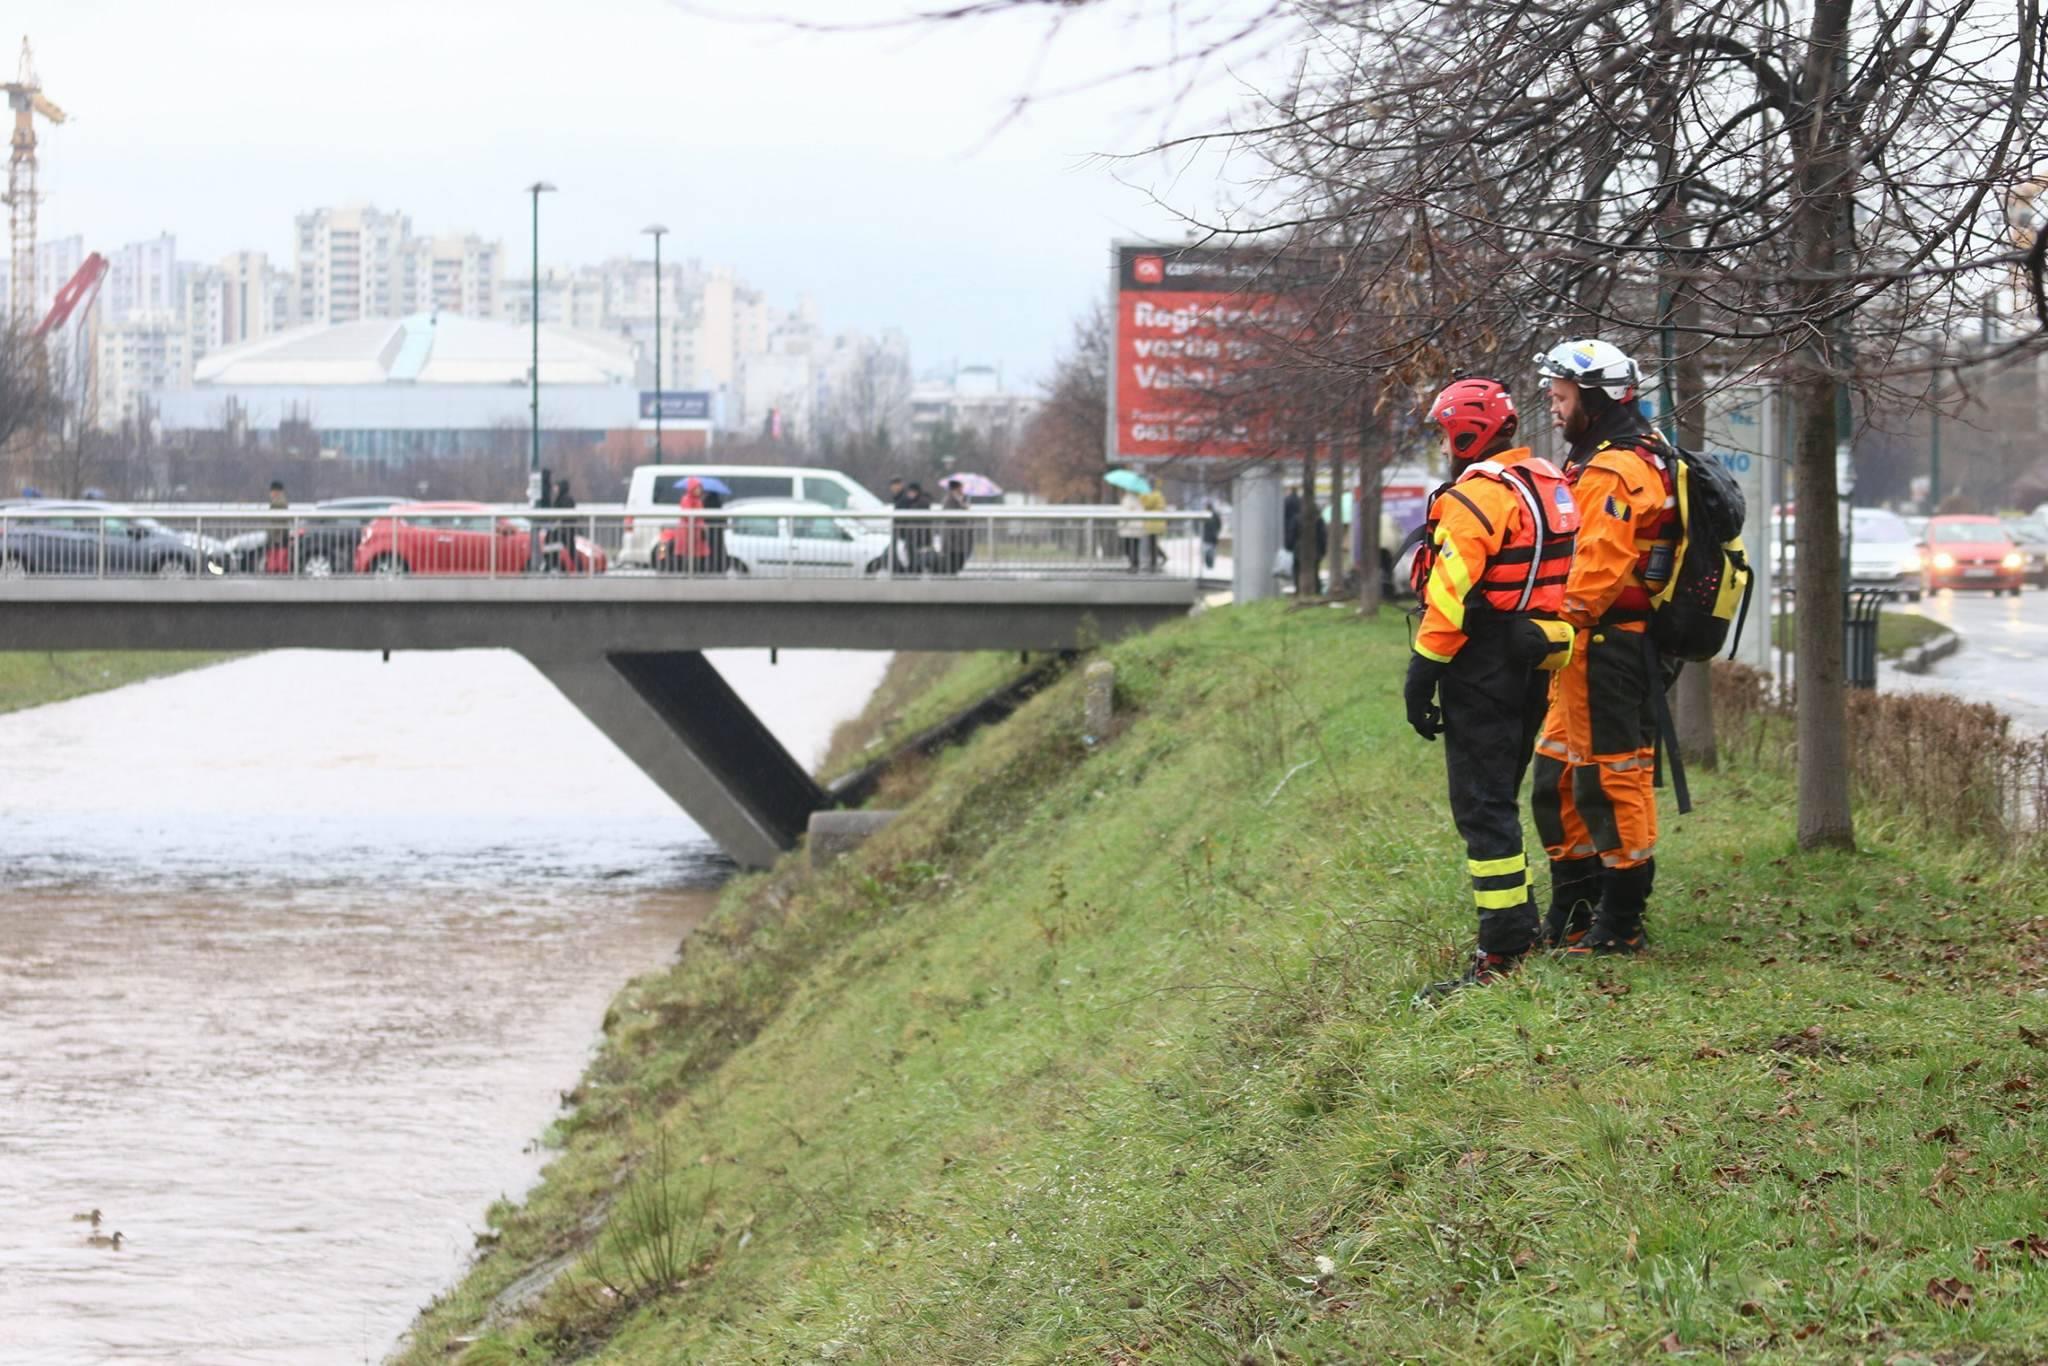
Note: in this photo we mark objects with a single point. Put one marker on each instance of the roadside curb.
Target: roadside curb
(1921, 658)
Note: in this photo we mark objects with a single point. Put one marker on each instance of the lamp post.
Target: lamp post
(656, 231)
(534, 491)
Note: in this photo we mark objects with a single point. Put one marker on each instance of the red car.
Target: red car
(1972, 552)
(458, 538)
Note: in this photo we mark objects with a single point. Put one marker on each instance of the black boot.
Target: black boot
(1574, 892)
(1618, 923)
(1486, 969)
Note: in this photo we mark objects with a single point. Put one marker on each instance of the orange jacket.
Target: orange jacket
(1477, 518)
(1623, 508)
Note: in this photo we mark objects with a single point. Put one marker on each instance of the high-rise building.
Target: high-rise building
(455, 273)
(351, 263)
(142, 354)
(252, 291)
(142, 277)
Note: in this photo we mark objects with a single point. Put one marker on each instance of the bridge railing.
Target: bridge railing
(738, 542)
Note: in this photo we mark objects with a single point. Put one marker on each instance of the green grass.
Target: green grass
(31, 679)
(1106, 1056)
(917, 692)
(1897, 632)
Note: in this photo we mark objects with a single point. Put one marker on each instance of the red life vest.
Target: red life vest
(1656, 537)
(1526, 576)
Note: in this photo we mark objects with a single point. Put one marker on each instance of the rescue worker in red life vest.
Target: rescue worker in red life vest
(1595, 805)
(1490, 575)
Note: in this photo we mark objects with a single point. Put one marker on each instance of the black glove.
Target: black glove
(1420, 694)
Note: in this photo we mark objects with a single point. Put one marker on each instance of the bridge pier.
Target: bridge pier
(675, 717)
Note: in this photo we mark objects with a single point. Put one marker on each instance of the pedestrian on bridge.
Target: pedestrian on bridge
(277, 558)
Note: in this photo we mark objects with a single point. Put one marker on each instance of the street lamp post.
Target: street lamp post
(656, 231)
(534, 491)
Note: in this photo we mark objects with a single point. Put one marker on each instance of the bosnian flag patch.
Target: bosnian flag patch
(1616, 508)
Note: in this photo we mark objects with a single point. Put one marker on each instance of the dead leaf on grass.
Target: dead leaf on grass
(1706, 1052)
(1950, 1293)
(1671, 1343)
(1945, 1134)
(2032, 1039)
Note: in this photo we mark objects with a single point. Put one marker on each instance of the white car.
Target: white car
(652, 491)
(782, 537)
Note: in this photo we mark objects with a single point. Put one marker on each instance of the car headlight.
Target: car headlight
(2014, 561)
(1911, 564)
(1944, 560)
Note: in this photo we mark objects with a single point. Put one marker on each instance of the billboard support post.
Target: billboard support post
(1255, 540)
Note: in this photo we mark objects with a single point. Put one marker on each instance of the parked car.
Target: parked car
(319, 548)
(1972, 552)
(2031, 540)
(457, 538)
(782, 536)
(99, 539)
(653, 491)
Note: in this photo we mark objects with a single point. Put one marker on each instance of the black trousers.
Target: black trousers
(1493, 700)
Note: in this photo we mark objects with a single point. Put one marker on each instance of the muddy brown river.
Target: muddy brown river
(297, 954)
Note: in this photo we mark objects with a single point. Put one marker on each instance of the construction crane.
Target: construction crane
(25, 96)
(77, 297)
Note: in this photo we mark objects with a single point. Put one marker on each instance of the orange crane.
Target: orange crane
(25, 96)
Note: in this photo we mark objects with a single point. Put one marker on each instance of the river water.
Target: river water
(297, 954)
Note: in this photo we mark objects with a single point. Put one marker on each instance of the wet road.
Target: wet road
(2004, 659)
(296, 955)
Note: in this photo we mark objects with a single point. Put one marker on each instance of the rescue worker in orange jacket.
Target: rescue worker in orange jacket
(1595, 803)
(1490, 575)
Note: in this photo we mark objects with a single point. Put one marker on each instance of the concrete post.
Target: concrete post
(1256, 536)
(1098, 699)
(836, 833)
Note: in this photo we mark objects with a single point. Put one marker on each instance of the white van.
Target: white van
(652, 492)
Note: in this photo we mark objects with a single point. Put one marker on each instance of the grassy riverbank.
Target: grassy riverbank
(1897, 632)
(29, 679)
(1105, 1055)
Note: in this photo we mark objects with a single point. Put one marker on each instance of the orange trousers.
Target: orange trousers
(1594, 776)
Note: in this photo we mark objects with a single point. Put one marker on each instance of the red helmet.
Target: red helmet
(1473, 413)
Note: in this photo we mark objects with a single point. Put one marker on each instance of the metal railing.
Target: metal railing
(741, 541)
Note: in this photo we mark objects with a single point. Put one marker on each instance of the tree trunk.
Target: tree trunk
(1820, 225)
(1372, 461)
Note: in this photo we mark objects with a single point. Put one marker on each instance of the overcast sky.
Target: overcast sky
(875, 171)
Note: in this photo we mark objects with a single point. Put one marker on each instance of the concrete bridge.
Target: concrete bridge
(626, 650)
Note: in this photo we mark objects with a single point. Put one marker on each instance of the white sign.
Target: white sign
(1742, 433)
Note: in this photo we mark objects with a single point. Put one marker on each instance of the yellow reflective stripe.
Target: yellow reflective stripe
(1506, 899)
(1428, 653)
(1450, 603)
(1452, 563)
(1488, 867)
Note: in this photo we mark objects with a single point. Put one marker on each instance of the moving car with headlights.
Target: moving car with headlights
(1883, 553)
(1971, 552)
(457, 538)
(2031, 539)
(98, 540)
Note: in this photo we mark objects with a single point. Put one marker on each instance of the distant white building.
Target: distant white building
(350, 263)
(141, 355)
(975, 400)
(142, 279)
(454, 274)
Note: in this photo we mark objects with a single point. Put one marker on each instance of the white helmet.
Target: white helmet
(1592, 365)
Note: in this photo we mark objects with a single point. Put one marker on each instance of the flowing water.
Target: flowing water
(297, 954)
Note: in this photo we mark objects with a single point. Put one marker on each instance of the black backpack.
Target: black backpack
(1704, 601)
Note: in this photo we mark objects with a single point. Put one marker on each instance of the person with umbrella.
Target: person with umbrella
(958, 535)
(1130, 531)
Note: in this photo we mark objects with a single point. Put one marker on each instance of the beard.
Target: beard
(1578, 422)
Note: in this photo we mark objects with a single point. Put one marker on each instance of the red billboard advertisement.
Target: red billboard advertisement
(1194, 326)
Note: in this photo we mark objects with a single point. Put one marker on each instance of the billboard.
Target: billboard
(1193, 327)
(677, 405)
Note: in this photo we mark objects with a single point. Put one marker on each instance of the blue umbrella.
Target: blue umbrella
(717, 486)
(1128, 481)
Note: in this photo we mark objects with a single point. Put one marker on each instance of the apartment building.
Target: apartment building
(352, 262)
